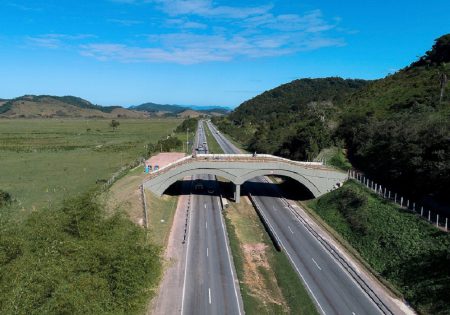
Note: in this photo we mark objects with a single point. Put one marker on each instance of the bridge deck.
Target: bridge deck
(247, 158)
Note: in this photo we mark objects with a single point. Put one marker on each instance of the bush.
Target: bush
(73, 260)
(5, 198)
(189, 123)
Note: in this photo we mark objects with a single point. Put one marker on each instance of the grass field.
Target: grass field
(44, 161)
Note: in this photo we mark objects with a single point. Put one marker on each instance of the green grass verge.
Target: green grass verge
(213, 146)
(297, 298)
(405, 250)
(161, 211)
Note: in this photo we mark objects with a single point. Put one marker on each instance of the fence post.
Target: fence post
(401, 202)
(421, 211)
(384, 195)
(389, 195)
(395, 198)
(375, 187)
(437, 220)
(429, 215)
(414, 206)
(407, 203)
(446, 221)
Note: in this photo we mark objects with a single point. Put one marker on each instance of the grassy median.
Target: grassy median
(269, 284)
(213, 146)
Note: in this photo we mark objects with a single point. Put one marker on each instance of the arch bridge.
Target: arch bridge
(238, 168)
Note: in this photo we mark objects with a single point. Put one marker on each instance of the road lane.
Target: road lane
(332, 288)
(209, 285)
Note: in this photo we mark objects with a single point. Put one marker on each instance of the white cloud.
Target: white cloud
(186, 48)
(54, 41)
(197, 31)
(205, 8)
(124, 22)
(186, 24)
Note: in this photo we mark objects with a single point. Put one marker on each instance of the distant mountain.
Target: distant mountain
(180, 110)
(47, 106)
(155, 108)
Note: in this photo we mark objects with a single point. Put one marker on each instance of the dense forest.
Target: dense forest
(396, 129)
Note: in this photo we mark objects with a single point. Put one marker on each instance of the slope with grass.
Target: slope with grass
(402, 248)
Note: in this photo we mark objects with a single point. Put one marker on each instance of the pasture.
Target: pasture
(43, 161)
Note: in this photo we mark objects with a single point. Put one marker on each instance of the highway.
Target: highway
(331, 287)
(209, 286)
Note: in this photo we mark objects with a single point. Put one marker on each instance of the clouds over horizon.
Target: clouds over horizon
(198, 31)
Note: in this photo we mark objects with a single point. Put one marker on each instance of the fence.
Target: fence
(440, 222)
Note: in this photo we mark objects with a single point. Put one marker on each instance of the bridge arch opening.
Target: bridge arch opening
(308, 184)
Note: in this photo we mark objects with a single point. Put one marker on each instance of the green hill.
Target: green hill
(155, 108)
(181, 111)
(396, 129)
(47, 106)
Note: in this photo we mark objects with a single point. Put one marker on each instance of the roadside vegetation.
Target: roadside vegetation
(189, 123)
(73, 260)
(66, 245)
(402, 248)
(269, 284)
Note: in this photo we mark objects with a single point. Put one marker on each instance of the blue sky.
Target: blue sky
(204, 52)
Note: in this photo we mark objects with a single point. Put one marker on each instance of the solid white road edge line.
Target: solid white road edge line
(185, 264)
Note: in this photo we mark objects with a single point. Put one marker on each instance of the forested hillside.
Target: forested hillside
(275, 117)
(397, 129)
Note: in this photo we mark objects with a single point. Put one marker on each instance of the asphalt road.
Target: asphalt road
(209, 286)
(330, 286)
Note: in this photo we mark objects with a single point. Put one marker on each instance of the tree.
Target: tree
(114, 124)
(5, 198)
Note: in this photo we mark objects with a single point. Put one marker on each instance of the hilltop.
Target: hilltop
(166, 110)
(46, 106)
